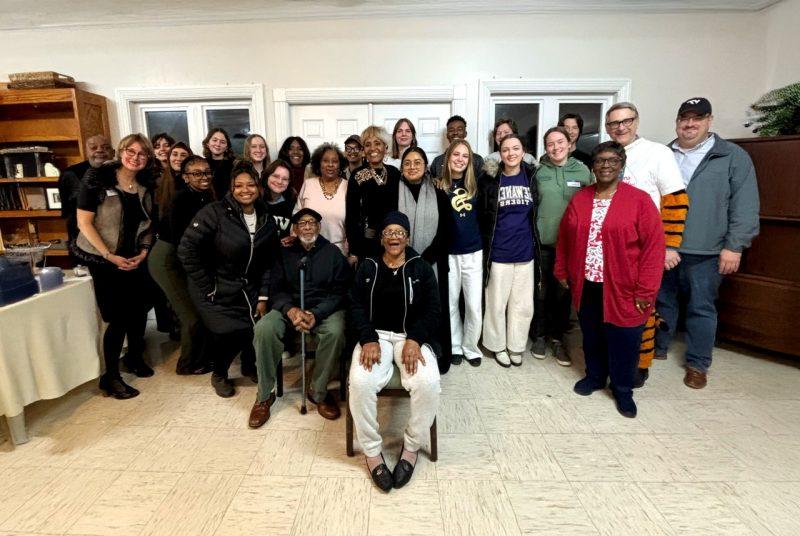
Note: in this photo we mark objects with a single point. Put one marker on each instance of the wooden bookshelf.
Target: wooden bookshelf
(61, 119)
(30, 180)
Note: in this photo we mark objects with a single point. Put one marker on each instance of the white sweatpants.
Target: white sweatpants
(466, 273)
(423, 387)
(509, 307)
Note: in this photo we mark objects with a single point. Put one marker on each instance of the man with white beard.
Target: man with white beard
(327, 280)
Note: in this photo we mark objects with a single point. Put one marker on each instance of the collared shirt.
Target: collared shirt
(689, 159)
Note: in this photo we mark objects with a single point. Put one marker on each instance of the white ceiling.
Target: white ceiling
(27, 14)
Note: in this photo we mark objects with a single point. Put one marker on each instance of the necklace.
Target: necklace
(395, 267)
(379, 177)
(129, 186)
(325, 193)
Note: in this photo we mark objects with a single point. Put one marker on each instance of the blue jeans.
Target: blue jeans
(698, 279)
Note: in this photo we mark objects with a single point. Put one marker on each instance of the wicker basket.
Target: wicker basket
(39, 79)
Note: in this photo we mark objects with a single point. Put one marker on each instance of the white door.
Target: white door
(430, 120)
(320, 123)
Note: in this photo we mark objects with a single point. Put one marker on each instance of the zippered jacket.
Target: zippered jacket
(327, 279)
(226, 269)
(422, 306)
(723, 202)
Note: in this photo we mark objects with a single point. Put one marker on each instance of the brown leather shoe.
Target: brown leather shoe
(260, 412)
(695, 378)
(327, 408)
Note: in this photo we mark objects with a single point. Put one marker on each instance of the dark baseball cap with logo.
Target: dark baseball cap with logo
(698, 105)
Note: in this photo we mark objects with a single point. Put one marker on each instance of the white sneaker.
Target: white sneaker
(516, 359)
(502, 359)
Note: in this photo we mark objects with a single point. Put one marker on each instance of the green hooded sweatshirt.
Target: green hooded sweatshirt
(557, 185)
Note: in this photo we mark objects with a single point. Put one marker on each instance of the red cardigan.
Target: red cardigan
(633, 252)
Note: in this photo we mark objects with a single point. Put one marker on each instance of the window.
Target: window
(187, 114)
(536, 105)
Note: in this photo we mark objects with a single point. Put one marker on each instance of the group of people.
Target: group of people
(391, 261)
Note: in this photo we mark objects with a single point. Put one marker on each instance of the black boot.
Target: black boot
(117, 388)
(640, 377)
(136, 365)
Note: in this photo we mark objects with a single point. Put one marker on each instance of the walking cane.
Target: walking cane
(303, 262)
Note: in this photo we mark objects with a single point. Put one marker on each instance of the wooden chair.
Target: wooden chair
(393, 389)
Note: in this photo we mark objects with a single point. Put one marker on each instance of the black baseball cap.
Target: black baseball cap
(354, 139)
(698, 105)
(305, 211)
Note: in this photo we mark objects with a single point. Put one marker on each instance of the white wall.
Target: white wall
(668, 57)
(782, 48)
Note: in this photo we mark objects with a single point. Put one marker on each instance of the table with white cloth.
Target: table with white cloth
(48, 346)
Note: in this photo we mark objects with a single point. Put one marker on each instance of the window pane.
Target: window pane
(591, 112)
(172, 122)
(526, 116)
(236, 123)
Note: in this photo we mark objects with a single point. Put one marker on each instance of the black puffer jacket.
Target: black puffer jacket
(422, 305)
(227, 271)
(488, 203)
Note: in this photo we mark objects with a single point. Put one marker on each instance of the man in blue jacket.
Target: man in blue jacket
(722, 220)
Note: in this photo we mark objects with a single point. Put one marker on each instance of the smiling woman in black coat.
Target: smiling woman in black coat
(226, 252)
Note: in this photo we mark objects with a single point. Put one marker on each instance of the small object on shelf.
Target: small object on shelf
(39, 79)
(50, 170)
(80, 271)
(23, 162)
(53, 198)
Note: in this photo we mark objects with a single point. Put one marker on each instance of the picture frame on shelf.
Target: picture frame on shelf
(53, 199)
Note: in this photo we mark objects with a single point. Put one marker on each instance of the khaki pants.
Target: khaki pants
(509, 307)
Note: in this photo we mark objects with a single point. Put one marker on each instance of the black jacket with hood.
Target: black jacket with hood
(422, 312)
(228, 269)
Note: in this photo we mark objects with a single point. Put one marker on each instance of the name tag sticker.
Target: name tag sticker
(111, 192)
(573, 184)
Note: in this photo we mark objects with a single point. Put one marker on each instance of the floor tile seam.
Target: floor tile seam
(583, 505)
(53, 476)
(546, 446)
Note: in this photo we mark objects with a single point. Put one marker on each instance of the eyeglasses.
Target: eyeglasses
(352, 150)
(307, 224)
(613, 161)
(413, 163)
(692, 118)
(199, 174)
(394, 234)
(130, 153)
(613, 125)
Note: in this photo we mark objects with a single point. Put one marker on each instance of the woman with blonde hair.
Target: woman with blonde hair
(115, 206)
(465, 252)
(256, 151)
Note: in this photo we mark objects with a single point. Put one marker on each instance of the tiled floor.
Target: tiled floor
(519, 453)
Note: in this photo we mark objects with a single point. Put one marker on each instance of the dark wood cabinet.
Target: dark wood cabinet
(760, 305)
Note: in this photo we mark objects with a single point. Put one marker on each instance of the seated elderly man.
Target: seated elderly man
(395, 310)
(327, 277)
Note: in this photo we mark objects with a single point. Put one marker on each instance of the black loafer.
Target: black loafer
(382, 477)
(585, 387)
(456, 359)
(402, 471)
(475, 361)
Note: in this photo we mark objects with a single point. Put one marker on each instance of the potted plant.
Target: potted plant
(777, 113)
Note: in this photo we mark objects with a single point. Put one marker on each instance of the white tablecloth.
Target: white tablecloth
(48, 345)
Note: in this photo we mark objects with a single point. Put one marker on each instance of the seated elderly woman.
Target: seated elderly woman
(395, 311)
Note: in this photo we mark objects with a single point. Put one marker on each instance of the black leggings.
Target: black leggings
(124, 299)
(226, 346)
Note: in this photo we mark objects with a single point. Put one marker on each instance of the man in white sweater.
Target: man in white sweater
(651, 167)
